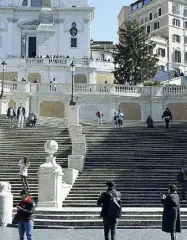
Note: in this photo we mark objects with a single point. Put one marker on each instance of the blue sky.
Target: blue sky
(105, 24)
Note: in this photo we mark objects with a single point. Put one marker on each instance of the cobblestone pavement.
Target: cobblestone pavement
(150, 234)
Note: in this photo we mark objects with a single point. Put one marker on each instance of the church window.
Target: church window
(25, 3)
(73, 42)
(36, 3)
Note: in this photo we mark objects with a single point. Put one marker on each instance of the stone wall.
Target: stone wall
(132, 111)
(52, 109)
(179, 110)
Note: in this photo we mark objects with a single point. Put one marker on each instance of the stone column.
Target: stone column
(23, 45)
(50, 179)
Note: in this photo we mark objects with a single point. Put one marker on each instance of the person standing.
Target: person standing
(24, 164)
(111, 209)
(171, 221)
(21, 116)
(24, 214)
(11, 115)
(99, 115)
(182, 178)
(167, 116)
(120, 117)
(115, 120)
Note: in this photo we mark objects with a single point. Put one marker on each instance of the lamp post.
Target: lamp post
(91, 44)
(2, 85)
(72, 65)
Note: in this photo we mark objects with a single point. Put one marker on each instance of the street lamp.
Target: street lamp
(3, 82)
(91, 44)
(72, 65)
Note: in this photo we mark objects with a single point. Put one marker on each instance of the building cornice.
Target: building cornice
(146, 7)
(66, 9)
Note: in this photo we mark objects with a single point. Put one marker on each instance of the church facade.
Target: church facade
(39, 39)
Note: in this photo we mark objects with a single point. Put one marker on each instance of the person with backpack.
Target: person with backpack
(167, 116)
(115, 120)
(99, 115)
(24, 164)
(111, 209)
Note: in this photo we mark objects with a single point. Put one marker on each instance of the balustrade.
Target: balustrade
(52, 89)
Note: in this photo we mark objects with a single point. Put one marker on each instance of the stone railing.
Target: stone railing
(17, 87)
(79, 62)
(93, 89)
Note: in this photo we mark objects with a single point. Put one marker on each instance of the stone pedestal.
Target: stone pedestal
(75, 129)
(73, 115)
(70, 175)
(76, 162)
(50, 179)
(3, 106)
(6, 203)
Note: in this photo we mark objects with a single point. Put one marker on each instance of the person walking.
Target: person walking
(182, 178)
(171, 221)
(21, 116)
(24, 164)
(24, 214)
(149, 122)
(11, 115)
(111, 209)
(99, 115)
(115, 120)
(167, 116)
(120, 117)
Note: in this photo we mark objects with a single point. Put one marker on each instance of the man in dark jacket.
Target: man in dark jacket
(110, 223)
(171, 222)
(25, 211)
(21, 116)
(167, 116)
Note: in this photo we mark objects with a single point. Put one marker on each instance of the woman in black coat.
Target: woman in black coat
(171, 222)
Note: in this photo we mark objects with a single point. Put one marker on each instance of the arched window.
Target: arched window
(36, 3)
(25, 3)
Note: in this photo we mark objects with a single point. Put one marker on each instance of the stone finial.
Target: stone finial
(5, 187)
(46, 3)
(51, 147)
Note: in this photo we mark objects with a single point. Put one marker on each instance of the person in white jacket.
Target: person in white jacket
(24, 164)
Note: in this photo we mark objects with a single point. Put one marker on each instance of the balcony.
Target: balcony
(176, 11)
(60, 62)
(64, 89)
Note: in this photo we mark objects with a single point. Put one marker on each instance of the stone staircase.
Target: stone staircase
(141, 161)
(15, 143)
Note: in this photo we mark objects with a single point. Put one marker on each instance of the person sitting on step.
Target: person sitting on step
(149, 122)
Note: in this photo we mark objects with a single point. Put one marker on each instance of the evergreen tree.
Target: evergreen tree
(133, 57)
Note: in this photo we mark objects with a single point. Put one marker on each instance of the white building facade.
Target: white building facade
(43, 36)
(166, 19)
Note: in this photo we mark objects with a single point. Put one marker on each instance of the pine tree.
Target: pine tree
(133, 57)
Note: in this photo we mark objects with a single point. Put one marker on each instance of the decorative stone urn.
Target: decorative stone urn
(50, 178)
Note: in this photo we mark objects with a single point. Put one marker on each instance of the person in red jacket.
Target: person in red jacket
(25, 212)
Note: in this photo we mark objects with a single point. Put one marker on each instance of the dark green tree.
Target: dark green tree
(133, 57)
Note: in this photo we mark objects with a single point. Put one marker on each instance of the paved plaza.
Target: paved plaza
(150, 234)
